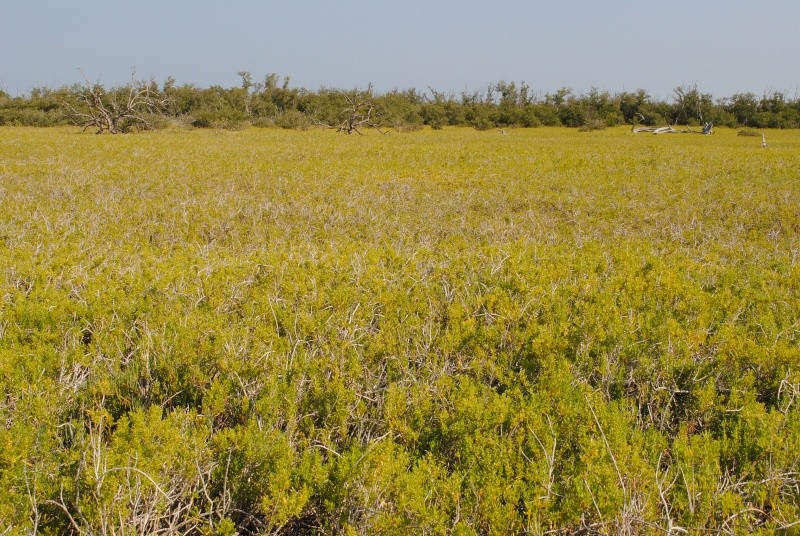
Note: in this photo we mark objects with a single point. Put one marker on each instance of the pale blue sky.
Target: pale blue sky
(724, 46)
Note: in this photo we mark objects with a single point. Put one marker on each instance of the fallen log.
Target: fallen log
(654, 130)
(708, 128)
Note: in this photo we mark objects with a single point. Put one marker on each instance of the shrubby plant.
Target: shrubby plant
(274, 102)
(751, 132)
(268, 332)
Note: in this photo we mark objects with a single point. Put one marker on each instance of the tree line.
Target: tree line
(273, 102)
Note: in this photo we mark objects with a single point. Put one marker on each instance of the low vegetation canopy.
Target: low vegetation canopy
(444, 331)
(273, 102)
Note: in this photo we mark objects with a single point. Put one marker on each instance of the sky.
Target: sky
(724, 47)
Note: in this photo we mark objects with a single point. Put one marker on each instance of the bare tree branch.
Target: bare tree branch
(356, 115)
(117, 110)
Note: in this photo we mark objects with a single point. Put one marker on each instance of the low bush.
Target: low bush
(592, 124)
(272, 332)
(749, 132)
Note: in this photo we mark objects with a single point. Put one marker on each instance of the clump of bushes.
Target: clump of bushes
(292, 119)
(751, 132)
(156, 121)
(219, 118)
(31, 117)
(592, 124)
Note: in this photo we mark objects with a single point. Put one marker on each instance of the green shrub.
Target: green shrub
(592, 124)
(751, 132)
(272, 332)
(293, 119)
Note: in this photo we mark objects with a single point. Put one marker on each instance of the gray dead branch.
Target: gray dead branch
(708, 128)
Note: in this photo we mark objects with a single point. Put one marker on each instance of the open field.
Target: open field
(269, 331)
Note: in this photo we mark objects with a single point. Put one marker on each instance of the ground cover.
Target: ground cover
(442, 331)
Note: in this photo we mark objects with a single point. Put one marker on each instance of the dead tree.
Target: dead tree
(708, 128)
(690, 103)
(357, 114)
(121, 109)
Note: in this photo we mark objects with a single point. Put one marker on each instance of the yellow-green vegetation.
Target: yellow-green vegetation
(438, 332)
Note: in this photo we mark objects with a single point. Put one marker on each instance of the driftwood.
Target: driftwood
(708, 128)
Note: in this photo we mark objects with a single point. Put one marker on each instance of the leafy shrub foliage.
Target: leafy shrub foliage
(749, 132)
(277, 332)
(273, 102)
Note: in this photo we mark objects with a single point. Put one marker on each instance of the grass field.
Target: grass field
(263, 331)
